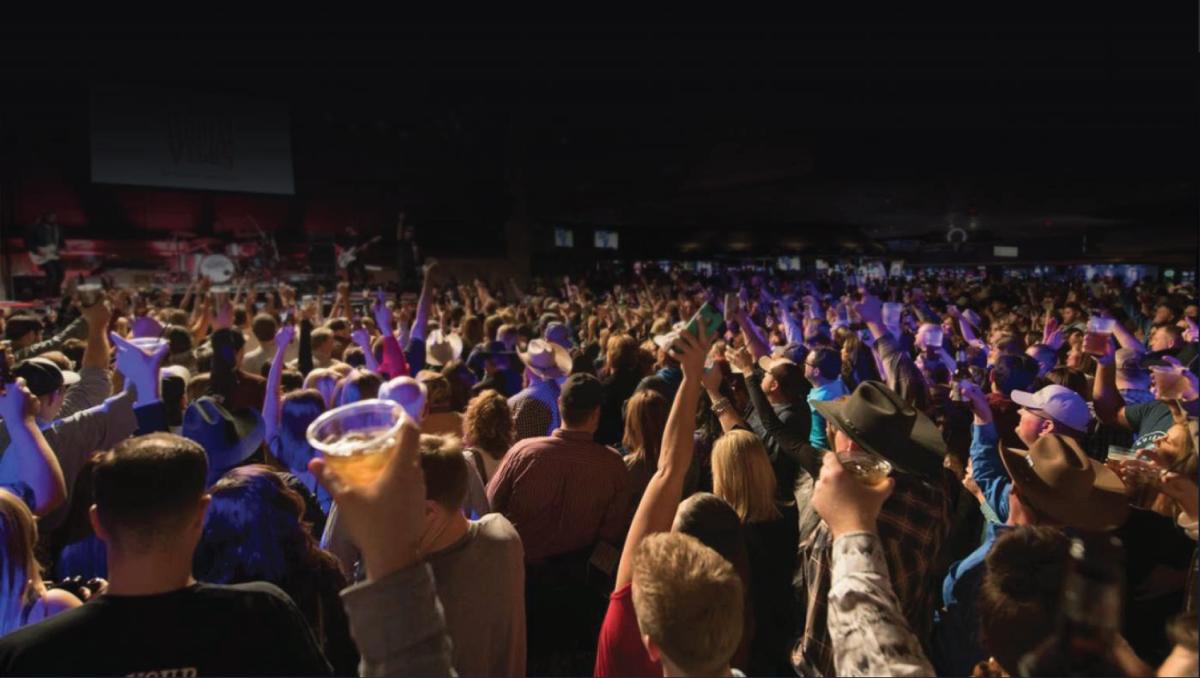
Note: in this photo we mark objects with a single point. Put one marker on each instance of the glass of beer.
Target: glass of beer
(357, 440)
(869, 469)
(1099, 330)
(1142, 482)
(1170, 380)
(89, 294)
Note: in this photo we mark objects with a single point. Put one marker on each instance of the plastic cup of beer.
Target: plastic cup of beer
(891, 314)
(867, 468)
(1170, 380)
(148, 344)
(89, 294)
(1142, 483)
(357, 440)
(1099, 330)
(933, 336)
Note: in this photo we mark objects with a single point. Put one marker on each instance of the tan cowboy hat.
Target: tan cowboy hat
(441, 349)
(547, 359)
(1057, 478)
(881, 422)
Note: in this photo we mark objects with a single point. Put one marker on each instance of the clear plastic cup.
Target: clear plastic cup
(1142, 483)
(1170, 381)
(89, 294)
(867, 468)
(1099, 330)
(148, 344)
(933, 336)
(357, 440)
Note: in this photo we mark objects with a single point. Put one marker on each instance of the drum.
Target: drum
(217, 268)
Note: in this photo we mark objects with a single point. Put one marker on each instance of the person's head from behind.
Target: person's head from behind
(253, 529)
(487, 424)
(149, 496)
(460, 381)
(742, 476)
(688, 601)
(1071, 378)
(359, 385)
(18, 566)
(1021, 592)
(437, 389)
(713, 521)
(621, 354)
(1013, 373)
(322, 344)
(23, 330)
(445, 470)
(579, 402)
(264, 327)
(645, 420)
(1045, 356)
(297, 410)
(323, 381)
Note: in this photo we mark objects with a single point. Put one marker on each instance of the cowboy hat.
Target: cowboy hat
(547, 359)
(442, 348)
(880, 422)
(1057, 478)
(228, 438)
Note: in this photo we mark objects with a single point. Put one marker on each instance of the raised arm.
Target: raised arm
(754, 340)
(656, 511)
(28, 460)
(271, 404)
(1110, 406)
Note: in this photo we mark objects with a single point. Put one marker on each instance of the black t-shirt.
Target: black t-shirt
(201, 630)
(1149, 422)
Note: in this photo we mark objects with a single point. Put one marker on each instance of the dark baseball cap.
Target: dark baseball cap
(582, 392)
(20, 325)
(43, 376)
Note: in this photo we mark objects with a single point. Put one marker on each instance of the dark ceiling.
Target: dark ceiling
(874, 127)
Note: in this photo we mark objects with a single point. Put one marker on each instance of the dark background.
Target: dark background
(1073, 137)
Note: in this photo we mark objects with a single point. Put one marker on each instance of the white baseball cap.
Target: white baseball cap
(1058, 403)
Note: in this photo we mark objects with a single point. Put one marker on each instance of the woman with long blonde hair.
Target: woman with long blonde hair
(24, 598)
(742, 476)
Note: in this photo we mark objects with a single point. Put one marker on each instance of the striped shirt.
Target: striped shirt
(563, 493)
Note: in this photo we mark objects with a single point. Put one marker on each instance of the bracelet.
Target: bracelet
(721, 406)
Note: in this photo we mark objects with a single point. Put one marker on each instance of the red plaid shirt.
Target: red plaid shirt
(914, 522)
(562, 492)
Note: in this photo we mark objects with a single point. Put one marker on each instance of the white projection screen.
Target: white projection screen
(186, 139)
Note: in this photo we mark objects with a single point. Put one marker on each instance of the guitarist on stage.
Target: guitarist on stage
(44, 240)
(350, 257)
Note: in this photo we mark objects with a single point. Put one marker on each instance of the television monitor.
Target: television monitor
(606, 240)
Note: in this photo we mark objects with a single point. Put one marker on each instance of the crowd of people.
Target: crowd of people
(750, 473)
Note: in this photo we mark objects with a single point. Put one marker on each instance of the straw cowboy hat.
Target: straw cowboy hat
(547, 359)
(1057, 478)
(441, 349)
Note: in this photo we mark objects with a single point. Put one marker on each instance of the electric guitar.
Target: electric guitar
(43, 254)
(350, 254)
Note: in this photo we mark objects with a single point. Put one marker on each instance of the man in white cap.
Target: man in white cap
(535, 409)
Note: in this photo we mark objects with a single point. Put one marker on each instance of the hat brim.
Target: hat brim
(70, 378)
(921, 453)
(562, 363)
(1105, 508)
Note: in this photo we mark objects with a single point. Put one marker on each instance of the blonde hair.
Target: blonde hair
(688, 600)
(20, 576)
(742, 476)
(645, 420)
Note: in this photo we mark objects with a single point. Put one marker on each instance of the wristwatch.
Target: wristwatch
(721, 406)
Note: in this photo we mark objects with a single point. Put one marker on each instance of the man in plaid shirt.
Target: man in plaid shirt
(914, 521)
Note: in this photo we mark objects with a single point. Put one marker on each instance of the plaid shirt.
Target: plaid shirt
(914, 522)
(535, 410)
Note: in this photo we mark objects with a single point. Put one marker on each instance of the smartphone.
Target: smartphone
(710, 317)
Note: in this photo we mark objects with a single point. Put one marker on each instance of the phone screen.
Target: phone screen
(710, 317)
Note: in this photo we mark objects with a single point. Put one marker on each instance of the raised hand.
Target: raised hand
(385, 518)
(846, 504)
(691, 351)
(284, 336)
(17, 403)
(869, 308)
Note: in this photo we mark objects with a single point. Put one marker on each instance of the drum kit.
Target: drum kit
(220, 261)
